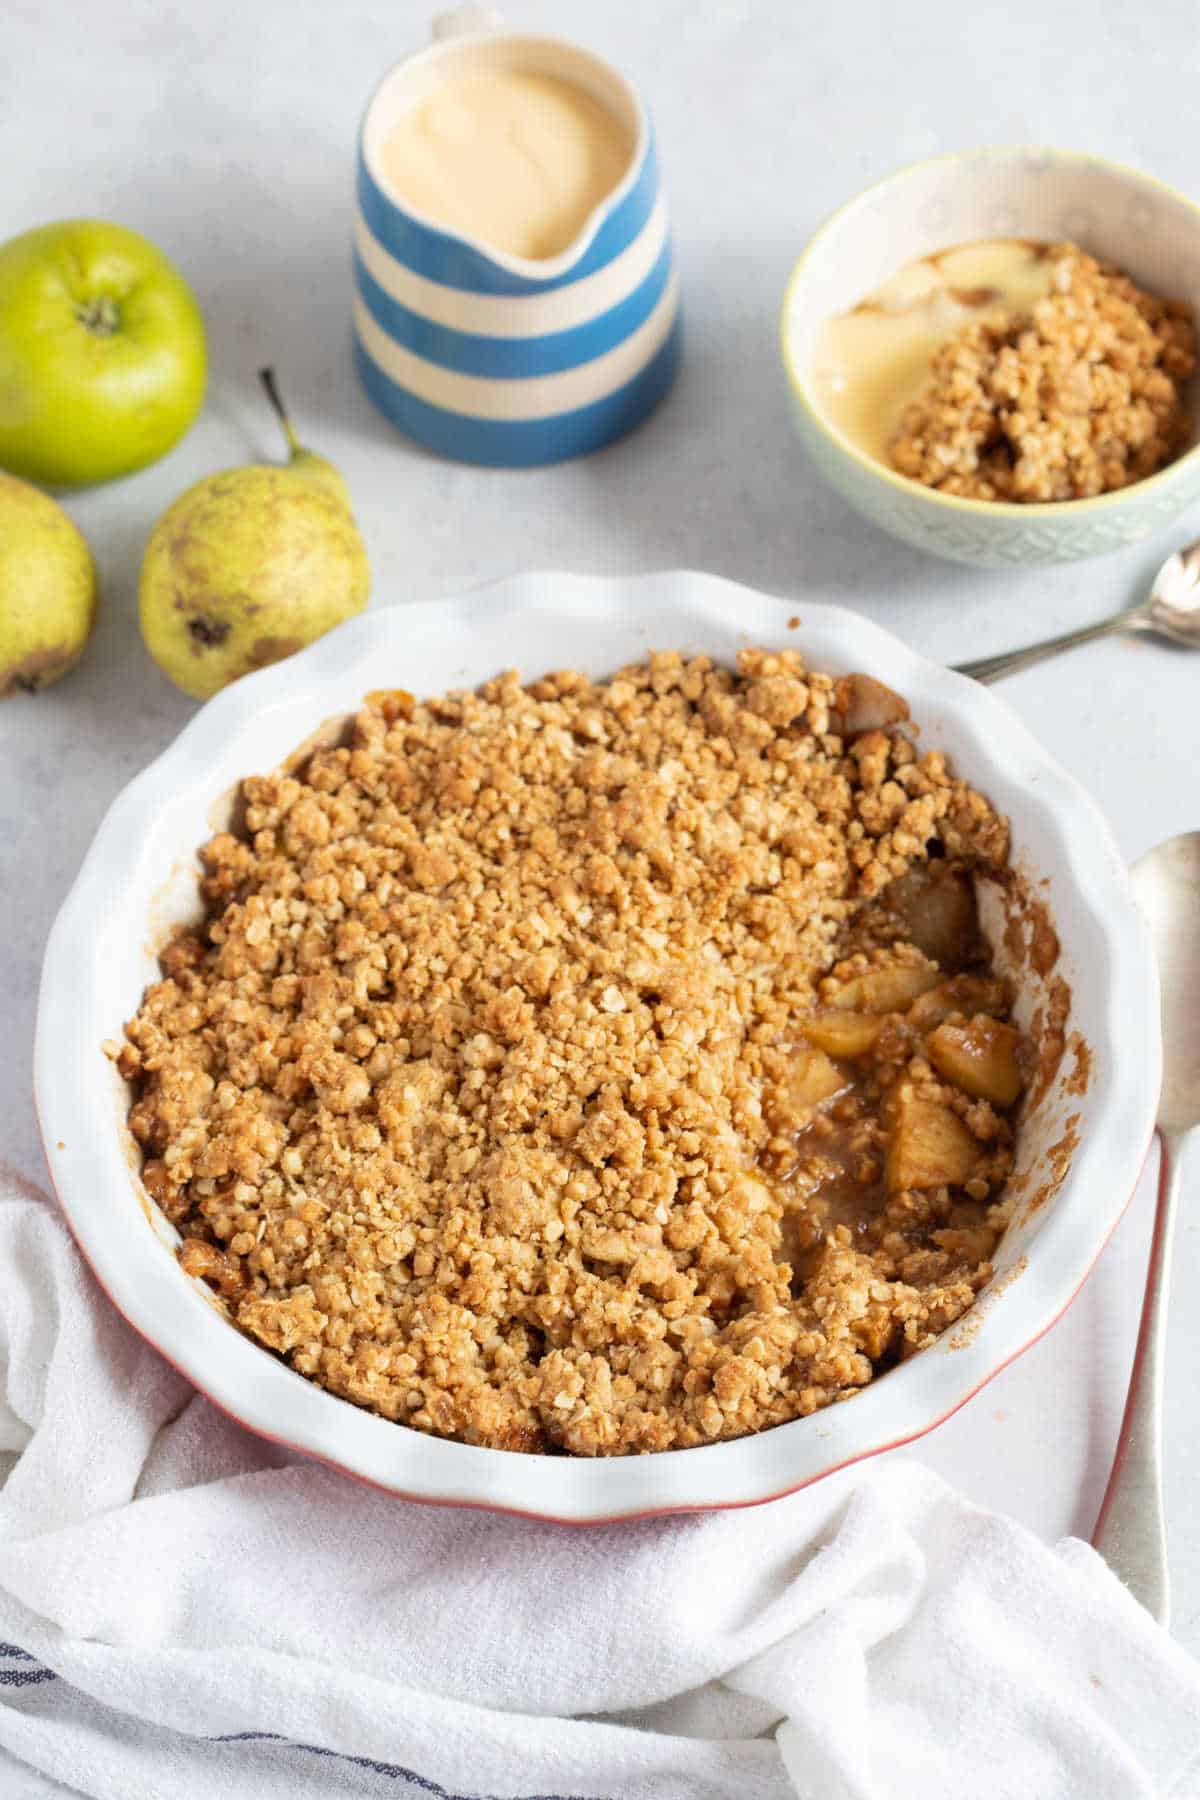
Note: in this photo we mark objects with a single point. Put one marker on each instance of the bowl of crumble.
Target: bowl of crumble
(992, 355)
(645, 1082)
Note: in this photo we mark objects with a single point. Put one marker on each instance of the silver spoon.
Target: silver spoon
(1172, 611)
(1130, 1532)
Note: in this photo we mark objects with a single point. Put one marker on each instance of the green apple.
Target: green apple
(102, 357)
(47, 589)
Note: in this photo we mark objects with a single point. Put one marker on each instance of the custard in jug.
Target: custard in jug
(515, 160)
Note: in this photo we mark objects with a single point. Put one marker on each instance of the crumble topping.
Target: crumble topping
(591, 1066)
(1077, 397)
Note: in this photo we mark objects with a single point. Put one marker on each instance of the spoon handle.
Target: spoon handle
(1131, 1532)
(991, 668)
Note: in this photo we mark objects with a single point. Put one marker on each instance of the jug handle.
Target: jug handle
(462, 20)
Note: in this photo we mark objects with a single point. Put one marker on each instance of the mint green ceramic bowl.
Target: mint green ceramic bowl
(1146, 228)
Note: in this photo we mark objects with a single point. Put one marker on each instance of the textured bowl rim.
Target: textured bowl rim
(92, 1177)
(1012, 510)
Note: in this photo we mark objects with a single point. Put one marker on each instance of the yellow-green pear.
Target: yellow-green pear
(249, 566)
(47, 589)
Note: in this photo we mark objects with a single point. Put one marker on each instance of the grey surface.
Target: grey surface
(225, 131)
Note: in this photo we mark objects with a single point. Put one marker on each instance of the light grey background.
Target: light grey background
(225, 131)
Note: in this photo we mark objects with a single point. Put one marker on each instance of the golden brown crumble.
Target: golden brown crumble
(591, 1066)
(1078, 397)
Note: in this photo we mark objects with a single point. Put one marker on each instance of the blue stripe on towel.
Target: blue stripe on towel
(524, 442)
(441, 257)
(506, 358)
(33, 1674)
(37, 1674)
(393, 1770)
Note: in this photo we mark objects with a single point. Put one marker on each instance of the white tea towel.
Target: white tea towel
(187, 1612)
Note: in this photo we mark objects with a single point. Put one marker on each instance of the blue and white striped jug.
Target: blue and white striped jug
(492, 358)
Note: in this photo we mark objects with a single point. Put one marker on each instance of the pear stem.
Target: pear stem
(267, 377)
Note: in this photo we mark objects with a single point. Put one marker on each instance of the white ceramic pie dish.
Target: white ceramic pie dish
(139, 878)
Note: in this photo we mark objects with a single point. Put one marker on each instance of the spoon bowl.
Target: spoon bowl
(1173, 609)
(1131, 1530)
(1167, 881)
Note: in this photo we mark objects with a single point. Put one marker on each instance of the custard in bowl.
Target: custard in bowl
(602, 1090)
(992, 355)
(1012, 371)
